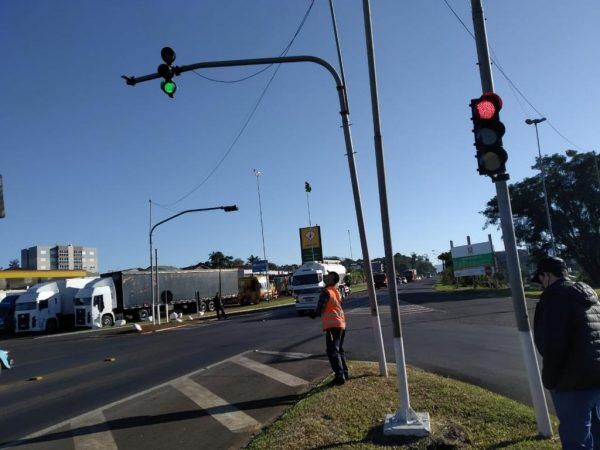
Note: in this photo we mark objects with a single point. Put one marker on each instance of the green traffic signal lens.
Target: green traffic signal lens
(168, 87)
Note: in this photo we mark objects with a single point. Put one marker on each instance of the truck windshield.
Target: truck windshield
(311, 278)
(25, 306)
(85, 301)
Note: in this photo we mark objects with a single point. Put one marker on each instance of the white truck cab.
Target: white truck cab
(94, 304)
(38, 308)
(307, 283)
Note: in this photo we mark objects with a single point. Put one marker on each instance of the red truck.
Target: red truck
(410, 274)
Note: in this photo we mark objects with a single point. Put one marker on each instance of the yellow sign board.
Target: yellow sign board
(310, 237)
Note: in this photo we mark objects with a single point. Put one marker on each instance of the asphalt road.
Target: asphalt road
(459, 335)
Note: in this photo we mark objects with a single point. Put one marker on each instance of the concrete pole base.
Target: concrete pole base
(419, 425)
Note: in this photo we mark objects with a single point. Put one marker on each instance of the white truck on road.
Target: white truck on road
(95, 303)
(307, 283)
(47, 306)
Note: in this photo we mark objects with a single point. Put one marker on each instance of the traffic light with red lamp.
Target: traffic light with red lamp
(167, 71)
(488, 131)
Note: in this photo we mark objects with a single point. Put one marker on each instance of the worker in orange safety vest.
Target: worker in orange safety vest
(334, 325)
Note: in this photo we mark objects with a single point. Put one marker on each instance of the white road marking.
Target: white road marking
(95, 412)
(284, 354)
(228, 415)
(404, 310)
(100, 439)
(271, 372)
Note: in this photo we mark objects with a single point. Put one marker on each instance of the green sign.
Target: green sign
(467, 262)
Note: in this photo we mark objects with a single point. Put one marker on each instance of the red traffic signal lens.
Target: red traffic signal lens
(486, 109)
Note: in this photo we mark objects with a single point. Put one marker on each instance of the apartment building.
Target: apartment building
(60, 257)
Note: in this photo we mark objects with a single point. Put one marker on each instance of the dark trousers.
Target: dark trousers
(334, 338)
(579, 416)
(220, 311)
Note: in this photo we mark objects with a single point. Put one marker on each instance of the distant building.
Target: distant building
(60, 257)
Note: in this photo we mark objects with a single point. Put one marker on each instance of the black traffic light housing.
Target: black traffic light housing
(167, 71)
(488, 131)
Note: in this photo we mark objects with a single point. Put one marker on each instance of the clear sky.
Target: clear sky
(82, 153)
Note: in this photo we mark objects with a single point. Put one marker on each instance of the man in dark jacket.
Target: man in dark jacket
(567, 335)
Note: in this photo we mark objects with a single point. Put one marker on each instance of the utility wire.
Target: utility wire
(283, 53)
(512, 85)
(250, 115)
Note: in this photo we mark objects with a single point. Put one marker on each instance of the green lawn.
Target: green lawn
(351, 416)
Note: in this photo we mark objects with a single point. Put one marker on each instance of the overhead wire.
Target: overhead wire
(251, 113)
(511, 84)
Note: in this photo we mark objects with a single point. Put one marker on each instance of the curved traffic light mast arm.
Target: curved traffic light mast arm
(375, 321)
(178, 70)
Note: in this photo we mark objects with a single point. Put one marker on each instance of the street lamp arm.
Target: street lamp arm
(225, 208)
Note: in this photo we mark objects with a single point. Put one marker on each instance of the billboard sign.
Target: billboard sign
(472, 260)
(260, 266)
(310, 244)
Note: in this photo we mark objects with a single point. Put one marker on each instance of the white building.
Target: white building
(60, 257)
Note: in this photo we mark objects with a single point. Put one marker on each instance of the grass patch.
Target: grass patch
(351, 416)
(360, 287)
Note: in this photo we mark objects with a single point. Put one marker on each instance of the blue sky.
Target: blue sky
(82, 153)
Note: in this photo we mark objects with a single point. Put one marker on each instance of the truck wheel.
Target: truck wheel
(143, 314)
(51, 326)
(211, 305)
(202, 306)
(107, 320)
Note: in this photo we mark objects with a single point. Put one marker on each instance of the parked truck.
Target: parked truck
(180, 290)
(48, 306)
(95, 304)
(253, 289)
(307, 282)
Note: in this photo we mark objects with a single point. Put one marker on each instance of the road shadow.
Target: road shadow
(151, 420)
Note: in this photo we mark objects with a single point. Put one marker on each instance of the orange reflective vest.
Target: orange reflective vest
(333, 314)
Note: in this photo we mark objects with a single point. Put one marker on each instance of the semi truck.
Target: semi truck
(48, 306)
(307, 283)
(183, 291)
(95, 304)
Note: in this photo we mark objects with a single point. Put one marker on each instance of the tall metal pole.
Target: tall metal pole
(405, 421)
(157, 285)
(258, 173)
(350, 242)
(375, 322)
(151, 266)
(510, 245)
(535, 122)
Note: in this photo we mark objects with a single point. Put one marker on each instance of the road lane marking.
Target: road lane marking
(404, 310)
(221, 410)
(284, 354)
(271, 372)
(92, 433)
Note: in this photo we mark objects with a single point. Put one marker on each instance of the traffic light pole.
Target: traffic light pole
(375, 320)
(510, 245)
(405, 421)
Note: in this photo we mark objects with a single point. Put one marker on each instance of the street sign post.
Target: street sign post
(260, 266)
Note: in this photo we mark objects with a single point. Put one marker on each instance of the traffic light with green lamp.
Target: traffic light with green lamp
(488, 131)
(167, 71)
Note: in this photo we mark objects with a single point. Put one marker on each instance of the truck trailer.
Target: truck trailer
(180, 290)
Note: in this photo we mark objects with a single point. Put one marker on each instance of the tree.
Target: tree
(237, 262)
(574, 198)
(253, 259)
(217, 259)
(13, 264)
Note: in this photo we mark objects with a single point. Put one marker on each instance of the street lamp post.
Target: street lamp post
(258, 173)
(229, 208)
(535, 123)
